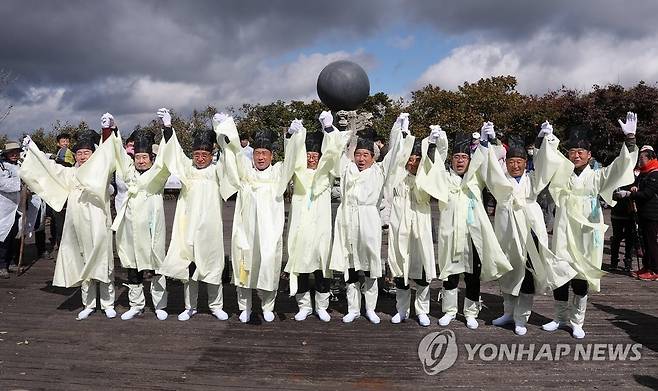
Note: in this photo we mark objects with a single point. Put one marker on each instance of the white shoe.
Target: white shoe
(303, 314)
(520, 330)
(186, 315)
(323, 315)
(219, 314)
(423, 320)
(577, 332)
(244, 316)
(446, 319)
(110, 313)
(503, 320)
(397, 318)
(161, 314)
(84, 314)
(349, 318)
(471, 323)
(372, 316)
(268, 316)
(552, 325)
(131, 313)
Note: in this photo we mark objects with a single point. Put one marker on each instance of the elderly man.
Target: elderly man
(10, 194)
(578, 229)
(519, 225)
(140, 222)
(85, 254)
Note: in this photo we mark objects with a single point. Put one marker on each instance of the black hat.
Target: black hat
(417, 149)
(314, 141)
(264, 139)
(144, 141)
(204, 140)
(516, 147)
(462, 143)
(366, 143)
(87, 139)
(579, 137)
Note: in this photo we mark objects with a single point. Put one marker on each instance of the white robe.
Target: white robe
(358, 227)
(518, 215)
(257, 243)
(410, 244)
(464, 219)
(140, 220)
(309, 235)
(578, 228)
(10, 194)
(85, 251)
(197, 233)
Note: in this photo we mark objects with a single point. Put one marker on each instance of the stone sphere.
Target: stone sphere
(343, 85)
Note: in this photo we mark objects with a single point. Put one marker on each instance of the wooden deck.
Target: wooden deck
(42, 346)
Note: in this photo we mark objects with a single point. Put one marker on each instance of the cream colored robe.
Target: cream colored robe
(518, 215)
(358, 227)
(410, 244)
(197, 233)
(85, 250)
(309, 235)
(10, 195)
(140, 221)
(463, 218)
(578, 228)
(257, 237)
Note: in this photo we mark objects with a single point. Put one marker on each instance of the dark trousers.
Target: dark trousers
(579, 288)
(472, 280)
(56, 224)
(353, 275)
(528, 284)
(622, 230)
(650, 242)
(8, 246)
(322, 284)
(399, 282)
(136, 277)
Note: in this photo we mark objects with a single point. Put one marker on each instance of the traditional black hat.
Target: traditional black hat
(314, 141)
(144, 141)
(516, 147)
(366, 143)
(204, 140)
(417, 149)
(87, 139)
(579, 136)
(264, 139)
(462, 143)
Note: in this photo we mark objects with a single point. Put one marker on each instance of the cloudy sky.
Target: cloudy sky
(74, 60)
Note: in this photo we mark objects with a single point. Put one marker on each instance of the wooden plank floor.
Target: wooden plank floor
(42, 346)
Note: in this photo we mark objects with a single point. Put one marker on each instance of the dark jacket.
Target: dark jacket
(646, 197)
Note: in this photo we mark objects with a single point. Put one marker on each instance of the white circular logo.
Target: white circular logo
(438, 351)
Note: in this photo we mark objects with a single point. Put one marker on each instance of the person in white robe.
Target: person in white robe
(356, 248)
(140, 223)
(579, 228)
(466, 240)
(10, 194)
(196, 249)
(309, 236)
(519, 224)
(85, 255)
(257, 237)
(410, 244)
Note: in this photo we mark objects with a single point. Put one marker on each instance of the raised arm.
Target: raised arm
(294, 154)
(231, 166)
(620, 171)
(173, 155)
(550, 164)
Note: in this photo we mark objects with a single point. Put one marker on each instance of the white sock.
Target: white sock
(244, 316)
(349, 318)
(161, 314)
(84, 314)
(131, 313)
(423, 320)
(268, 316)
(110, 313)
(220, 314)
(323, 315)
(186, 315)
(471, 323)
(446, 319)
(372, 316)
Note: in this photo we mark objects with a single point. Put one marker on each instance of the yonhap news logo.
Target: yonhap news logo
(439, 351)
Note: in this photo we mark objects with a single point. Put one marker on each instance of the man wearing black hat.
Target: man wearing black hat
(10, 194)
(85, 254)
(257, 245)
(309, 237)
(519, 224)
(466, 243)
(356, 249)
(410, 244)
(578, 229)
(140, 222)
(196, 249)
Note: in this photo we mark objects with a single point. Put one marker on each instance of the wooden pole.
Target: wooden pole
(23, 208)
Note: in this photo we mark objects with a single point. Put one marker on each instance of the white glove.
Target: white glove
(296, 126)
(403, 122)
(624, 193)
(435, 133)
(26, 141)
(326, 119)
(107, 121)
(219, 118)
(487, 131)
(630, 127)
(546, 129)
(165, 117)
